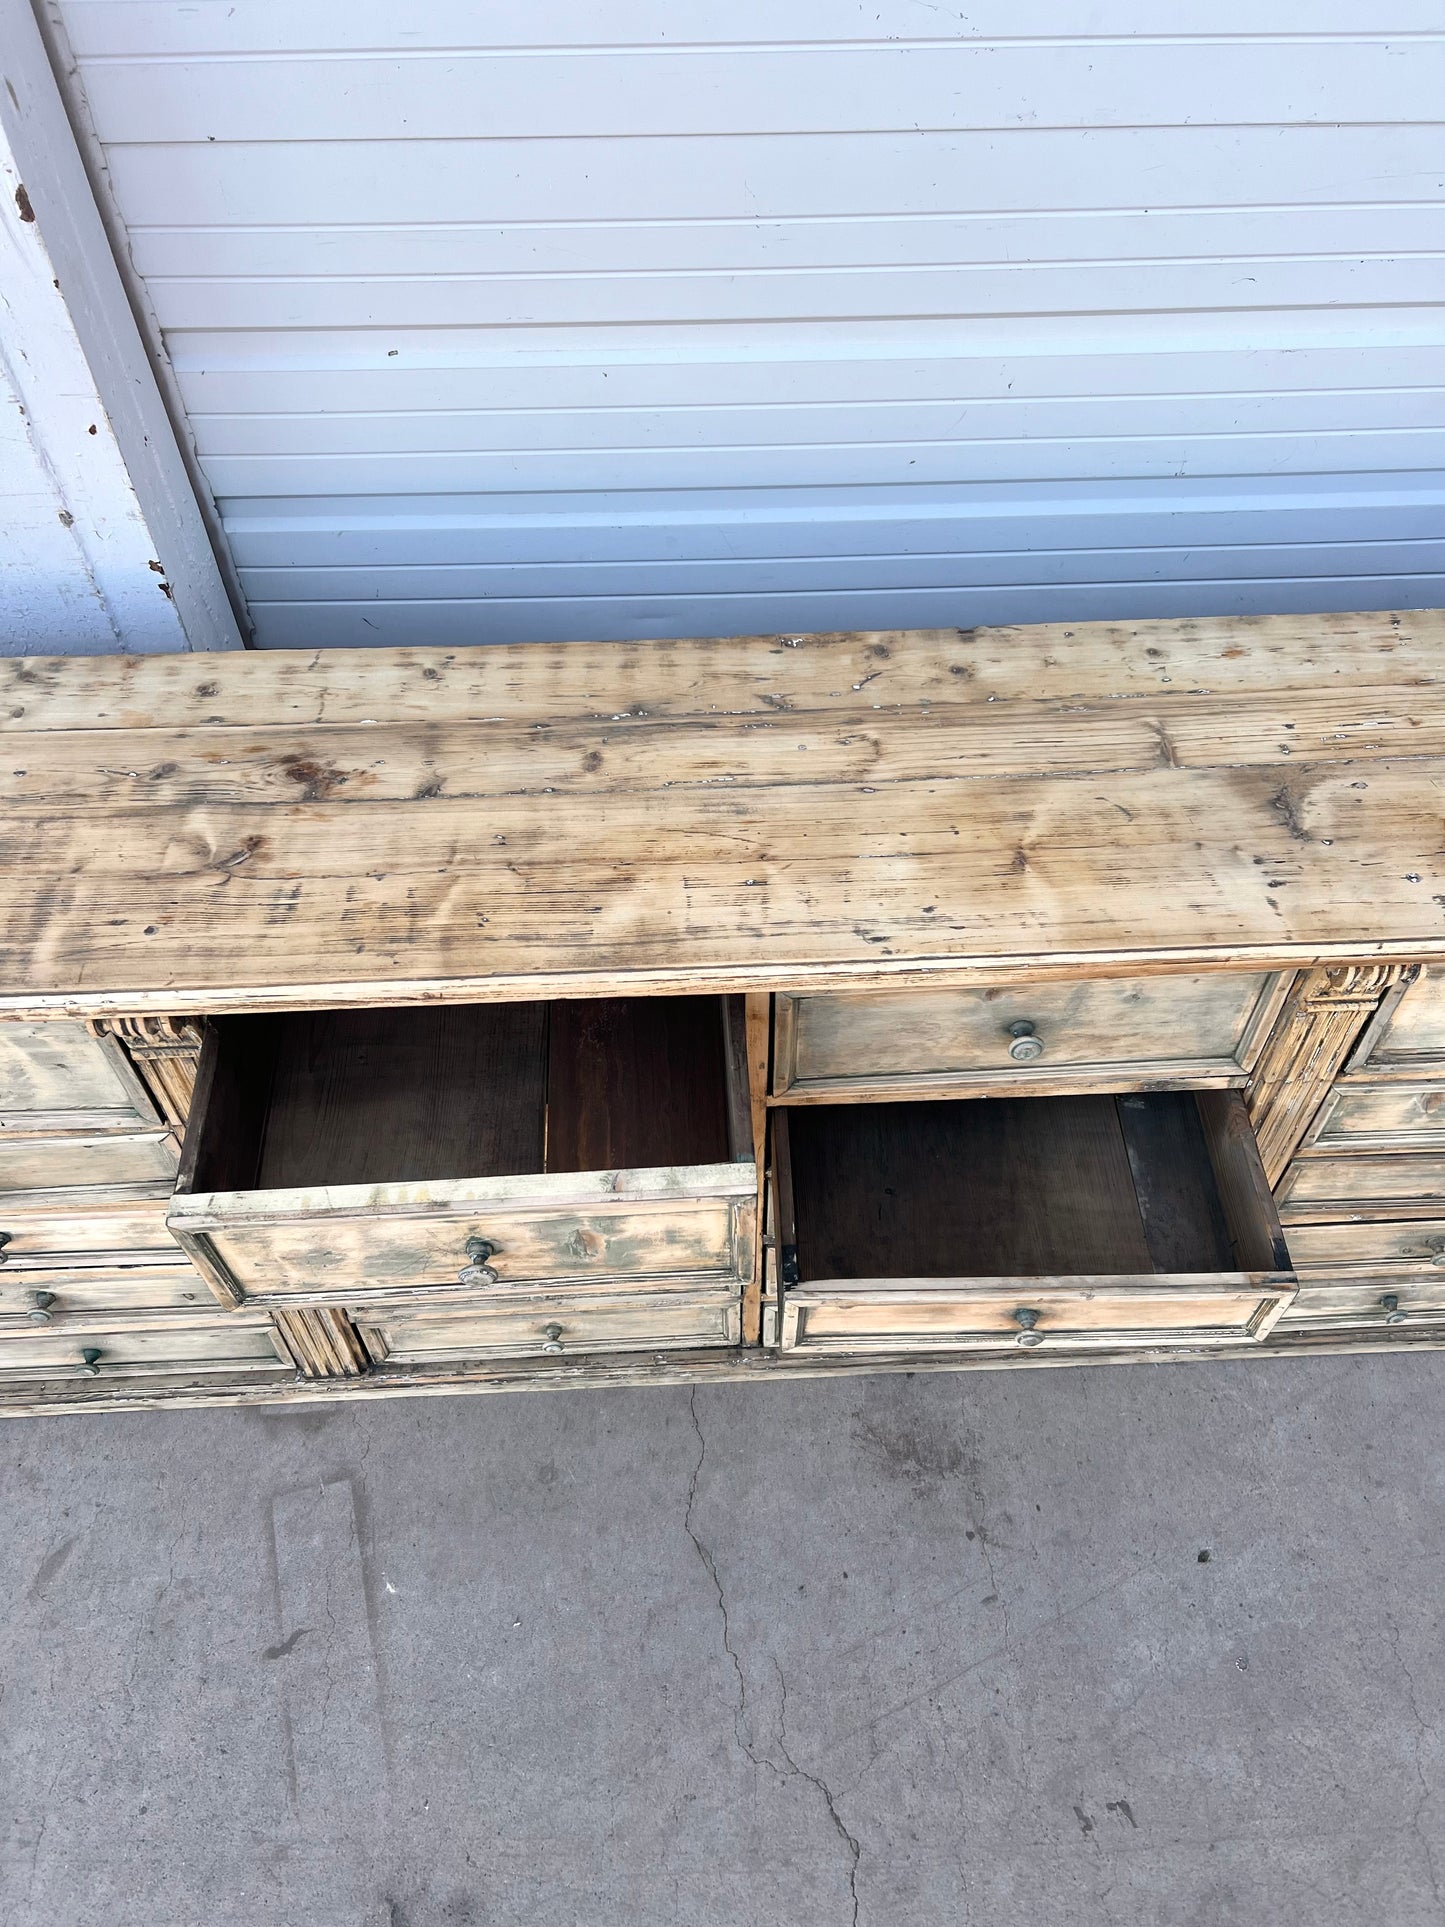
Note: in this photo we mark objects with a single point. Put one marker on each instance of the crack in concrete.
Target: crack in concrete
(710, 1565)
(980, 1500)
(1417, 1826)
(740, 1711)
(816, 1780)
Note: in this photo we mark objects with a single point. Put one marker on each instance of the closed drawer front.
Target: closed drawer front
(1380, 1306)
(1105, 1032)
(407, 1335)
(25, 1295)
(1007, 1314)
(57, 1077)
(51, 1170)
(94, 1349)
(695, 1224)
(1362, 1117)
(1416, 1028)
(116, 1236)
(1387, 1249)
(1365, 1184)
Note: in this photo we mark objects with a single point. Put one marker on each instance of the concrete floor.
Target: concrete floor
(888, 1651)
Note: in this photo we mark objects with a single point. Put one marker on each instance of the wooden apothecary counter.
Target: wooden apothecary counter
(398, 1021)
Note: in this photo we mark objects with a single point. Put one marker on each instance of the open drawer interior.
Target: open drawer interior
(1084, 1219)
(398, 1096)
(336, 1155)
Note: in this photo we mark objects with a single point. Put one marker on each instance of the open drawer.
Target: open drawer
(1070, 1223)
(334, 1156)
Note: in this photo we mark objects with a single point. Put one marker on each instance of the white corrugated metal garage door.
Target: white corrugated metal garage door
(639, 317)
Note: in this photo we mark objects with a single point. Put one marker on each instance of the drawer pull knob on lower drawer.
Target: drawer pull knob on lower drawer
(40, 1303)
(89, 1366)
(477, 1271)
(553, 1336)
(1026, 1317)
(1027, 1047)
(1390, 1305)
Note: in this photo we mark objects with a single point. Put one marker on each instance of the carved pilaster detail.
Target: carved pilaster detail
(322, 1342)
(165, 1052)
(1324, 1017)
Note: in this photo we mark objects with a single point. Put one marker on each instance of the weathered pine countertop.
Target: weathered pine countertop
(229, 832)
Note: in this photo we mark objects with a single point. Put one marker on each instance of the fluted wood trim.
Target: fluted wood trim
(165, 1052)
(1325, 1015)
(323, 1342)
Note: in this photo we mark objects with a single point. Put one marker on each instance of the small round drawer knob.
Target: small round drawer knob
(553, 1336)
(5, 1238)
(89, 1366)
(1390, 1305)
(40, 1303)
(477, 1271)
(1026, 1318)
(1437, 1257)
(1026, 1047)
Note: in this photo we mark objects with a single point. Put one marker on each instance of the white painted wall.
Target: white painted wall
(78, 568)
(634, 317)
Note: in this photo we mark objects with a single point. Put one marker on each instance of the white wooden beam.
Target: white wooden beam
(54, 188)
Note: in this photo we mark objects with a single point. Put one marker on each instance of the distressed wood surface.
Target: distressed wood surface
(88, 1233)
(758, 1020)
(1365, 1114)
(58, 1078)
(698, 1368)
(396, 825)
(1382, 1302)
(1344, 1249)
(108, 1292)
(872, 1315)
(161, 1343)
(323, 1343)
(165, 1052)
(416, 1334)
(1178, 1030)
(197, 1314)
(1255, 1234)
(1363, 1185)
(70, 1172)
(1328, 1012)
(343, 1242)
(728, 676)
(1415, 1033)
